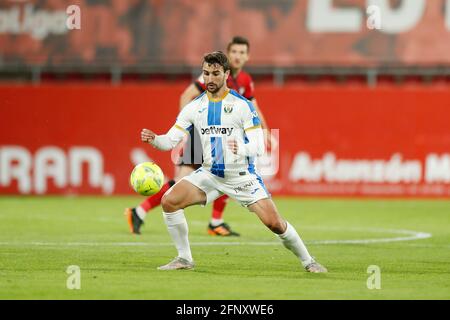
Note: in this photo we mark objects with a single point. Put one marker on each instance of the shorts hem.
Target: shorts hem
(209, 199)
(255, 201)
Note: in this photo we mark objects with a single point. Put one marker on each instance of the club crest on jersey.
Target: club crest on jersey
(228, 108)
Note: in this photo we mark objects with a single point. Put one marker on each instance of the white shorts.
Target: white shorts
(246, 189)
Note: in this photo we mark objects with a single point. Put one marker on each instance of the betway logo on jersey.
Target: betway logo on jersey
(215, 130)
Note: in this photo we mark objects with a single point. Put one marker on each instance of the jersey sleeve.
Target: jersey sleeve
(200, 84)
(185, 119)
(251, 118)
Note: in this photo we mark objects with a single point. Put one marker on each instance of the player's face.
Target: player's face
(214, 77)
(238, 56)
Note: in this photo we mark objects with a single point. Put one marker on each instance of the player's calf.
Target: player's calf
(266, 211)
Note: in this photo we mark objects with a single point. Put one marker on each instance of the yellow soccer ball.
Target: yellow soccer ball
(147, 178)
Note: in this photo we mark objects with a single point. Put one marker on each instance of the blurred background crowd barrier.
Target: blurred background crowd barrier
(361, 112)
(288, 37)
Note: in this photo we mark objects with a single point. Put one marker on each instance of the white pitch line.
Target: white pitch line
(411, 235)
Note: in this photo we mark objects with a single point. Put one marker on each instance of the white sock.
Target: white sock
(141, 213)
(178, 229)
(216, 222)
(292, 241)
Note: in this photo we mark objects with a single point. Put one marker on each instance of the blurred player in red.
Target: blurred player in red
(191, 157)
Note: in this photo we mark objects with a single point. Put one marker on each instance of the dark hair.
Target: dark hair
(217, 57)
(239, 40)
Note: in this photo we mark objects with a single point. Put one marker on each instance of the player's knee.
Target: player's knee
(276, 226)
(169, 203)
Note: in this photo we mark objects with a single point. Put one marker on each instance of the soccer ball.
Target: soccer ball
(147, 178)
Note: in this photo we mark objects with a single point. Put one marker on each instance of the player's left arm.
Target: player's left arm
(255, 146)
(252, 127)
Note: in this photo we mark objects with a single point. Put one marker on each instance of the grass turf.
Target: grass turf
(41, 236)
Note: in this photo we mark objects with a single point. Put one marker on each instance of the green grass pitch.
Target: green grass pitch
(41, 236)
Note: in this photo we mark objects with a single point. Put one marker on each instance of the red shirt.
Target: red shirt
(243, 84)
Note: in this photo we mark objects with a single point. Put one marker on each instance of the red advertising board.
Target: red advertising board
(84, 139)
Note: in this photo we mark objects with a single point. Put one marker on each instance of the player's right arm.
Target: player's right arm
(163, 142)
(174, 136)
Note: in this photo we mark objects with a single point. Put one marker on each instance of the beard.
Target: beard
(214, 88)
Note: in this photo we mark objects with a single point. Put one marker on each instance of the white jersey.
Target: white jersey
(216, 122)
